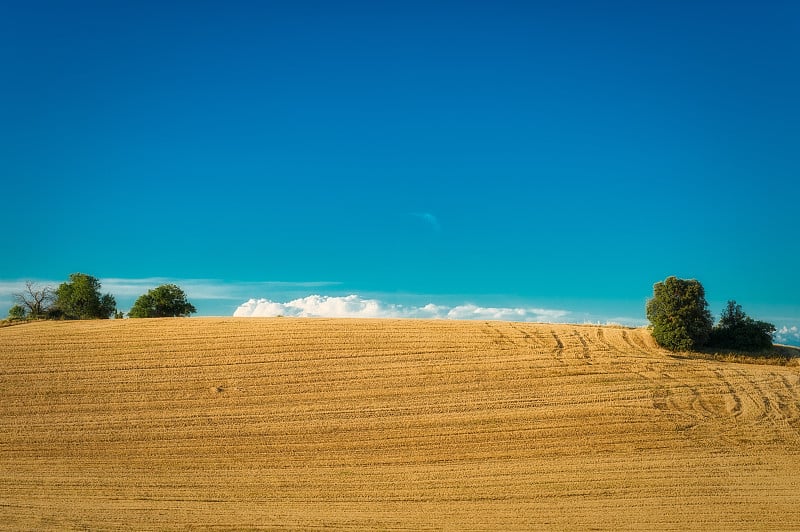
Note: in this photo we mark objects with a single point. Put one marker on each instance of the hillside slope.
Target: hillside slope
(301, 423)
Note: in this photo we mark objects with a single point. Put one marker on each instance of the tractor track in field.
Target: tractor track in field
(387, 424)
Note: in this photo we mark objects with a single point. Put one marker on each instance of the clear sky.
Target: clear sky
(560, 156)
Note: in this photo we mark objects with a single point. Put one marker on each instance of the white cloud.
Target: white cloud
(10, 287)
(210, 296)
(194, 288)
(787, 335)
(205, 289)
(125, 288)
(474, 312)
(354, 306)
(430, 219)
(625, 321)
(351, 306)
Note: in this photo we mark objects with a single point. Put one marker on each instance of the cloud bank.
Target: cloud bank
(354, 306)
(787, 335)
(205, 289)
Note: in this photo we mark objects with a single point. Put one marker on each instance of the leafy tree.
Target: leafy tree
(17, 312)
(679, 314)
(36, 302)
(165, 301)
(80, 299)
(737, 330)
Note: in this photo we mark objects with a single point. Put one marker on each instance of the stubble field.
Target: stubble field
(389, 424)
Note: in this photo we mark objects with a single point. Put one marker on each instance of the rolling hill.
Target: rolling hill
(307, 423)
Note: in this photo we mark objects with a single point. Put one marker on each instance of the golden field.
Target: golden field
(390, 424)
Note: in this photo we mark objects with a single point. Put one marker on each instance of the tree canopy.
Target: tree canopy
(80, 299)
(679, 314)
(681, 320)
(737, 330)
(17, 312)
(165, 301)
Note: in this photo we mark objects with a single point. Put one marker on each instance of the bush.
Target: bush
(80, 299)
(16, 313)
(166, 301)
(679, 314)
(736, 330)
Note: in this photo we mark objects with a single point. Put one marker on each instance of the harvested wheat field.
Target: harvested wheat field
(310, 423)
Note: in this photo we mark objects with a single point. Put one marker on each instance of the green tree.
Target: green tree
(17, 312)
(165, 301)
(679, 314)
(80, 299)
(737, 330)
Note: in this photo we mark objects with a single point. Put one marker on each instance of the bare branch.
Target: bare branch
(37, 301)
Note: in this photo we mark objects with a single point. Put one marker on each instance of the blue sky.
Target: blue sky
(548, 155)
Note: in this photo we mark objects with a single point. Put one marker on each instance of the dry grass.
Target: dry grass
(286, 423)
(777, 355)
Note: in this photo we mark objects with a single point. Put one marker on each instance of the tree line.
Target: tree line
(678, 311)
(80, 298)
(681, 321)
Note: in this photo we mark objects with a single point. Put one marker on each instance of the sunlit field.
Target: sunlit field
(305, 423)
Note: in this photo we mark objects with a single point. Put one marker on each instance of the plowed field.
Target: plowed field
(308, 423)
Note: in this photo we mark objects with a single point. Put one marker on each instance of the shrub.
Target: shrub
(737, 330)
(165, 301)
(679, 314)
(17, 312)
(80, 299)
